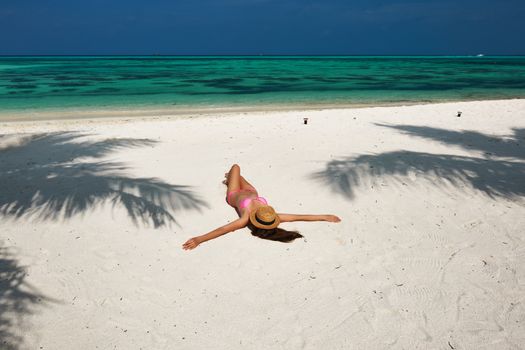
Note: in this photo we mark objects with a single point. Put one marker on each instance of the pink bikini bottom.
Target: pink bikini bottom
(245, 202)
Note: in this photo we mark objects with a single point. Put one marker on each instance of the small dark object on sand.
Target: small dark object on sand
(459, 114)
(305, 120)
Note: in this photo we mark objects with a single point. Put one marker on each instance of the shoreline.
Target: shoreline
(118, 114)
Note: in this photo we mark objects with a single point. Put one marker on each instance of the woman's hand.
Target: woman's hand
(191, 243)
(332, 218)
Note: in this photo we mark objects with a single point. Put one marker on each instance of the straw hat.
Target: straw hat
(264, 217)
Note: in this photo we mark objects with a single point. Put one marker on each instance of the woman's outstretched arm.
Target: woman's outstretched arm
(299, 217)
(232, 226)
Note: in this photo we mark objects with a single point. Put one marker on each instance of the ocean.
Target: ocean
(58, 82)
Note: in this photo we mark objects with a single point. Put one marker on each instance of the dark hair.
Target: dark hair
(274, 234)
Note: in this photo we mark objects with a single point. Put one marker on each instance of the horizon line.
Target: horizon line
(260, 55)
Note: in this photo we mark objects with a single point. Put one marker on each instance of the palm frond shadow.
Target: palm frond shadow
(18, 300)
(58, 175)
(498, 172)
(509, 146)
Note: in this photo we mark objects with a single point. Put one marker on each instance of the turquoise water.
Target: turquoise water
(41, 83)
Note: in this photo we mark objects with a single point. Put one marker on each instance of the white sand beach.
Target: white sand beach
(430, 253)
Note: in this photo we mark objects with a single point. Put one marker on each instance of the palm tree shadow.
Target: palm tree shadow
(18, 299)
(509, 146)
(58, 175)
(498, 172)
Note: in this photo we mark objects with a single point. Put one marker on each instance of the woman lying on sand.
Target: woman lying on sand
(255, 213)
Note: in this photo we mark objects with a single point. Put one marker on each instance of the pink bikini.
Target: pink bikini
(246, 201)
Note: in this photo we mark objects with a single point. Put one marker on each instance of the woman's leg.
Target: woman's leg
(245, 185)
(233, 180)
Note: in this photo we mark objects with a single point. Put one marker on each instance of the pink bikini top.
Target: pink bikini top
(246, 202)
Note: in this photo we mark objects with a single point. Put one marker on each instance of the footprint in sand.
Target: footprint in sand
(439, 239)
(427, 266)
(416, 299)
(72, 288)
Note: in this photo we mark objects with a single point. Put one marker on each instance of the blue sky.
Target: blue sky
(262, 27)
